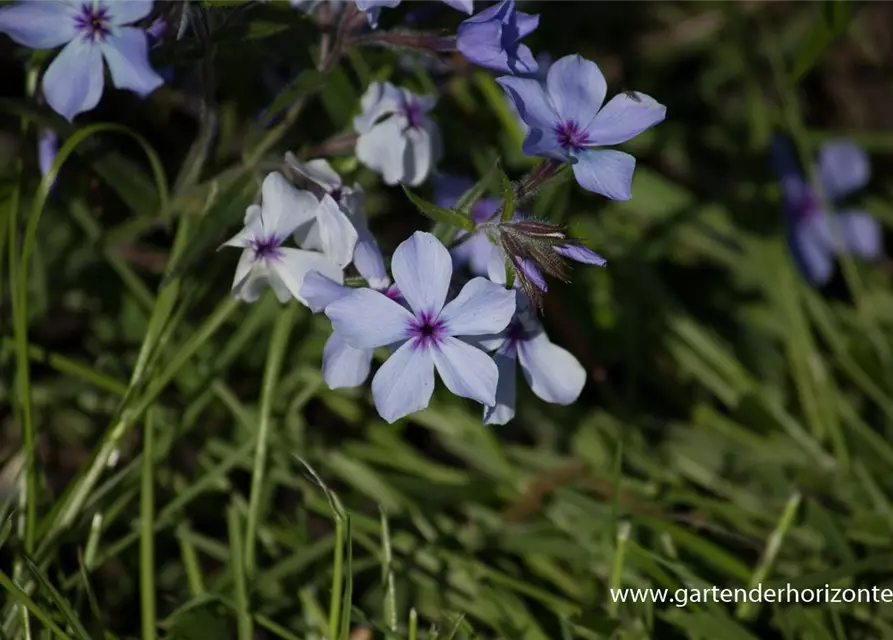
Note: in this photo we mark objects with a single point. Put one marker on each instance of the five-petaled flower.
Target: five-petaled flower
(396, 137)
(367, 256)
(283, 211)
(91, 30)
(552, 372)
(815, 235)
(566, 120)
(428, 333)
(492, 38)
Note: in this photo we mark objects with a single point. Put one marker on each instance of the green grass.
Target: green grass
(172, 464)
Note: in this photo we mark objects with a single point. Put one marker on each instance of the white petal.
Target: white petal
(250, 288)
(844, 168)
(466, 371)
(553, 373)
(318, 171)
(293, 264)
(380, 99)
(422, 269)
(344, 366)
(246, 261)
(506, 389)
(336, 232)
(126, 11)
(285, 208)
(481, 308)
(126, 52)
(367, 319)
(383, 149)
(252, 229)
(862, 234)
(404, 383)
(40, 25)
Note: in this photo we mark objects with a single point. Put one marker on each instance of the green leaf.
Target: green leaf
(832, 22)
(508, 194)
(307, 83)
(61, 603)
(439, 214)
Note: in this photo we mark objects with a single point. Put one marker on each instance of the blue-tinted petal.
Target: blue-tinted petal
(121, 12)
(480, 252)
(285, 208)
(844, 168)
(623, 118)
(503, 409)
(47, 148)
(343, 366)
(607, 172)
(39, 24)
(422, 269)
(367, 319)
(862, 234)
(404, 383)
(319, 291)
(493, 12)
(73, 82)
(383, 149)
(812, 244)
(521, 60)
(481, 43)
(126, 51)
(577, 89)
(531, 101)
(466, 371)
(481, 307)
(368, 260)
(553, 373)
(579, 253)
(465, 6)
(372, 9)
(543, 142)
(337, 235)
(529, 270)
(524, 23)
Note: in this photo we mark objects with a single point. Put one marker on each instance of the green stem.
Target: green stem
(337, 580)
(147, 534)
(275, 356)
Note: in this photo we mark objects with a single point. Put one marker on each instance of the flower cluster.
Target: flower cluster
(463, 302)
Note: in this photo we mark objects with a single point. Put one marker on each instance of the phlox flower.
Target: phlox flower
(343, 366)
(396, 137)
(92, 31)
(492, 38)
(814, 235)
(428, 333)
(282, 212)
(566, 119)
(477, 251)
(367, 256)
(552, 372)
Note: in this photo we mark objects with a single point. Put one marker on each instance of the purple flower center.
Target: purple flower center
(805, 206)
(93, 22)
(571, 136)
(426, 330)
(337, 194)
(265, 248)
(414, 114)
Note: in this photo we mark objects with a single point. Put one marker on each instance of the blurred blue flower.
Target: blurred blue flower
(566, 119)
(477, 251)
(552, 372)
(428, 333)
(284, 211)
(367, 256)
(91, 31)
(843, 168)
(492, 39)
(396, 137)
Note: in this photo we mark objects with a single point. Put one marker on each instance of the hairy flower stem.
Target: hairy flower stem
(422, 42)
(527, 186)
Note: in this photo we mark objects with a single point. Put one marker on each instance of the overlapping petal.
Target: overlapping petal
(344, 366)
(623, 118)
(576, 88)
(367, 319)
(503, 408)
(42, 24)
(126, 52)
(552, 372)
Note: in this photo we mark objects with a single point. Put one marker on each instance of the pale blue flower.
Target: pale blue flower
(492, 38)
(265, 261)
(396, 137)
(428, 333)
(367, 256)
(92, 31)
(843, 168)
(566, 121)
(552, 372)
